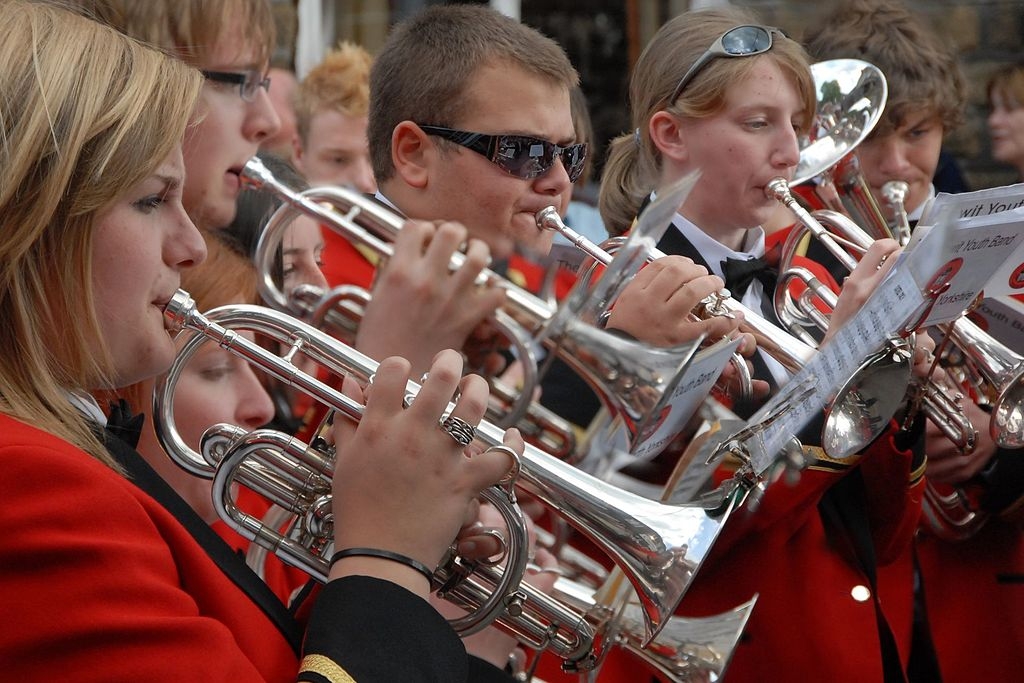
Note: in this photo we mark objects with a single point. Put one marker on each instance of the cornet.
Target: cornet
(658, 547)
(857, 414)
(632, 379)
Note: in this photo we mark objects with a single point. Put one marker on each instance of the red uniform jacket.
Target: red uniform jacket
(100, 582)
(815, 619)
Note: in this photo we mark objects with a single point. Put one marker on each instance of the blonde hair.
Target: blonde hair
(87, 113)
(341, 82)
(191, 29)
(634, 162)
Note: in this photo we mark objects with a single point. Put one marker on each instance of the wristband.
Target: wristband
(385, 555)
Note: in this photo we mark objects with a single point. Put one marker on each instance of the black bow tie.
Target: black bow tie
(739, 273)
(122, 424)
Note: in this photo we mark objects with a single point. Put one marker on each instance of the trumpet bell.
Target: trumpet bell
(862, 408)
(690, 648)
(851, 96)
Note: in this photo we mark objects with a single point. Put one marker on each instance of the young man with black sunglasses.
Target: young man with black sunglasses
(470, 120)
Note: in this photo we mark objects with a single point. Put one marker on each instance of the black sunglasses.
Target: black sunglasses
(520, 155)
(741, 41)
(249, 82)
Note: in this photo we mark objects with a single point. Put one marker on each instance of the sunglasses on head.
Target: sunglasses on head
(741, 41)
(519, 155)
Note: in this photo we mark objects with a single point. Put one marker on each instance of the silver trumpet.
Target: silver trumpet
(339, 312)
(658, 547)
(859, 411)
(632, 379)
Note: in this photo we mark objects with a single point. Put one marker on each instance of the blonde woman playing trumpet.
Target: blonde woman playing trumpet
(102, 579)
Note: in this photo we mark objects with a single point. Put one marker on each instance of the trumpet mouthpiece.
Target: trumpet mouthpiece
(777, 188)
(548, 218)
(178, 309)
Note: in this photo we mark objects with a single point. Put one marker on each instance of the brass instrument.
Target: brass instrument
(658, 547)
(632, 379)
(1001, 368)
(857, 414)
(943, 409)
(849, 223)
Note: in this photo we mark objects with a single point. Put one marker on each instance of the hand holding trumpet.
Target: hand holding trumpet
(420, 304)
(414, 472)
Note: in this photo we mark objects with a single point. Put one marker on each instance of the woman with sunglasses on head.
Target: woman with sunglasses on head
(106, 573)
(717, 92)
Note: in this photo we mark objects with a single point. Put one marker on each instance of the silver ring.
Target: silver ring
(461, 431)
(502, 543)
(885, 257)
(513, 471)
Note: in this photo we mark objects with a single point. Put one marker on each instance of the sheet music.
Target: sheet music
(886, 311)
(690, 391)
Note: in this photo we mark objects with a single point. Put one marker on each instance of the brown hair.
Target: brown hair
(1008, 83)
(189, 28)
(341, 82)
(427, 62)
(634, 162)
(921, 70)
(88, 113)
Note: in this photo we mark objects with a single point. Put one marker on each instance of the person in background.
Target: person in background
(302, 245)
(967, 621)
(331, 106)
(1006, 117)
(331, 147)
(282, 95)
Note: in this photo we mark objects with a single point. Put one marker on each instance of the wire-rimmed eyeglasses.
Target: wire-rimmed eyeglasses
(249, 82)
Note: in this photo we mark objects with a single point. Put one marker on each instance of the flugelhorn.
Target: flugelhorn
(658, 547)
(631, 378)
(856, 416)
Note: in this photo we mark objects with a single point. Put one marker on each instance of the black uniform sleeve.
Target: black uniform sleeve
(368, 630)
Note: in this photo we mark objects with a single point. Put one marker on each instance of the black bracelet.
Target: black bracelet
(385, 555)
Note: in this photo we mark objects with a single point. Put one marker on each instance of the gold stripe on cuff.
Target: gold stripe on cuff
(326, 667)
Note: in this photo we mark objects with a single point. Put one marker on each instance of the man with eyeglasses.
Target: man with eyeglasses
(230, 43)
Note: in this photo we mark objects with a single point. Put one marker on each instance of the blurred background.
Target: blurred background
(604, 37)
